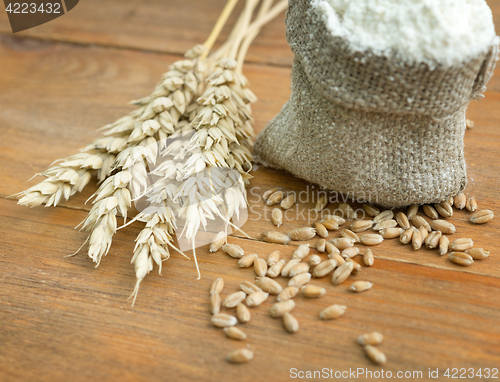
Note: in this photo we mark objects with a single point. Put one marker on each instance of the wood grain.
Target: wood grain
(61, 311)
(61, 318)
(172, 27)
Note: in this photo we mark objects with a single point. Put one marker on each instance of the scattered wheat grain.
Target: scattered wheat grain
(288, 293)
(281, 307)
(312, 291)
(290, 323)
(461, 258)
(235, 333)
(481, 217)
(222, 320)
(332, 312)
(240, 356)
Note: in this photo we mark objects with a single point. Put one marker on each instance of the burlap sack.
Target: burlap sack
(377, 128)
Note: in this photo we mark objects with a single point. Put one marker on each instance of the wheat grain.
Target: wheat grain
(281, 307)
(347, 211)
(419, 221)
(351, 252)
(312, 291)
(290, 323)
(444, 209)
(242, 313)
(321, 203)
(412, 211)
(444, 244)
(373, 338)
(260, 267)
(368, 258)
(375, 355)
(444, 226)
(235, 333)
(347, 233)
(233, 250)
(342, 243)
(269, 192)
(275, 237)
(288, 293)
(391, 223)
(342, 273)
(460, 201)
(471, 204)
(289, 201)
(461, 245)
(356, 268)
(383, 216)
(321, 245)
(299, 269)
(478, 253)
(330, 224)
(403, 221)
(249, 288)
(391, 233)
(301, 234)
(301, 252)
(331, 249)
(218, 241)
(300, 280)
(277, 217)
(275, 198)
(360, 286)
(361, 225)
(275, 269)
(461, 258)
(240, 356)
(337, 257)
(217, 286)
(285, 272)
(324, 268)
(268, 285)
(416, 240)
(371, 210)
(333, 312)
(215, 303)
(256, 298)
(273, 258)
(371, 239)
(222, 320)
(407, 235)
(433, 239)
(481, 217)
(247, 260)
(430, 211)
(321, 229)
(313, 260)
(424, 233)
(234, 299)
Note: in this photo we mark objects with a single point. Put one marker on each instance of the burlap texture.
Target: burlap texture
(375, 127)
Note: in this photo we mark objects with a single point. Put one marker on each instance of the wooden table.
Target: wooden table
(61, 319)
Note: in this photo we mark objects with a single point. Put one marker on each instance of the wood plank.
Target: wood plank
(61, 317)
(103, 80)
(171, 27)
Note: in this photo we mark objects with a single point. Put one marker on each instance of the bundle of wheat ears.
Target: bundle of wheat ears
(185, 152)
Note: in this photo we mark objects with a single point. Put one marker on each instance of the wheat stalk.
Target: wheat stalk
(214, 125)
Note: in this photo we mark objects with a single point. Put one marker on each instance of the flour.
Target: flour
(446, 31)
